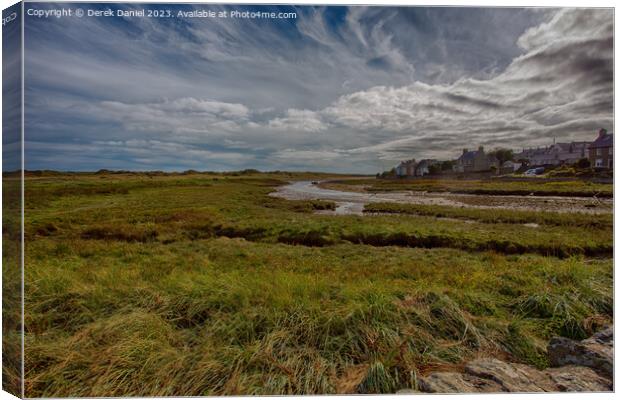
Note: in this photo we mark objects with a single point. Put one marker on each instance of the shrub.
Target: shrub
(583, 163)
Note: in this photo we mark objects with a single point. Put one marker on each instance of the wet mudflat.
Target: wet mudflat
(352, 202)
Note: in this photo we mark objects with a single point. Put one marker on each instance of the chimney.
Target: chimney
(464, 151)
(481, 149)
(602, 132)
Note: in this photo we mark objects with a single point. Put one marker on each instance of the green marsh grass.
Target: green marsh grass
(496, 216)
(202, 284)
(523, 186)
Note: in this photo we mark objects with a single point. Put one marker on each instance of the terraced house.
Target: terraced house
(601, 150)
(568, 153)
(413, 168)
(475, 161)
(556, 154)
(406, 168)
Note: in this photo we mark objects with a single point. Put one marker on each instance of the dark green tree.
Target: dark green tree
(434, 169)
(447, 165)
(583, 163)
(387, 174)
(502, 155)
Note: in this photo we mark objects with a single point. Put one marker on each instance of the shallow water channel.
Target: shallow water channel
(352, 203)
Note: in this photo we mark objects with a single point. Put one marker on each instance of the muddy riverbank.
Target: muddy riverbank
(353, 202)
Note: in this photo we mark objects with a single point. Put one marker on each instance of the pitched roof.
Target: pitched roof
(606, 140)
(572, 145)
(426, 163)
(533, 152)
(469, 155)
(562, 146)
(406, 163)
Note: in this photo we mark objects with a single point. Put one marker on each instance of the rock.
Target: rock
(604, 337)
(493, 376)
(572, 378)
(596, 352)
(512, 377)
(584, 366)
(453, 382)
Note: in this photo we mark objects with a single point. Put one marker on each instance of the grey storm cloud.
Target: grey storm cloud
(561, 86)
(383, 85)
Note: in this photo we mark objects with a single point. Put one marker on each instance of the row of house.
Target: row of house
(556, 154)
(468, 161)
(413, 168)
(599, 153)
(475, 161)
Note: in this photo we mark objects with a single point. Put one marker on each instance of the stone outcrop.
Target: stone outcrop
(454, 382)
(492, 375)
(585, 366)
(596, 352)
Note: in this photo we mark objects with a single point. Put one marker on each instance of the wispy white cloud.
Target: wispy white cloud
(298, 120)
(338, 89)
(562, 86)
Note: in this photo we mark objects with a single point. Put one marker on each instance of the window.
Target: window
(599, 151)
(598, 162)
(611, 151)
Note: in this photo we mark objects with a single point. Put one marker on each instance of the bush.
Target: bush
(583, 163)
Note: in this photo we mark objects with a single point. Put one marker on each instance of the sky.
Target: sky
(338, 89)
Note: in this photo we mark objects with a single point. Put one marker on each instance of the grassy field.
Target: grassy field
(535, 186)
(202, 284)
(496, 216)
(11, 286)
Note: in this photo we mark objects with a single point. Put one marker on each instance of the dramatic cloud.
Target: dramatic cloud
(298, 120)
(562, 87)
(350, 89)
(179, 116)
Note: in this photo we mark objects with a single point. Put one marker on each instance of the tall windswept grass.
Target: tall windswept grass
(198, 284)
(495, 216)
